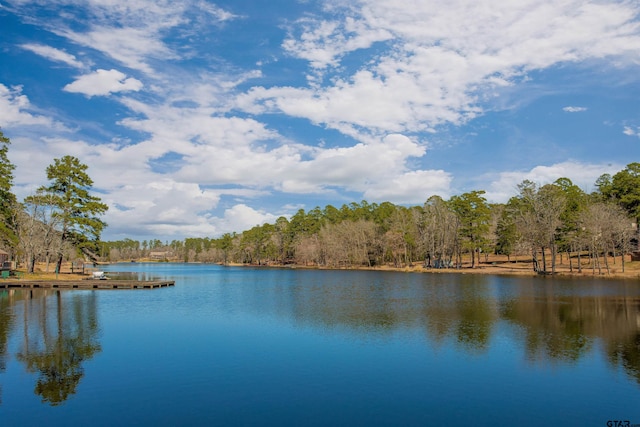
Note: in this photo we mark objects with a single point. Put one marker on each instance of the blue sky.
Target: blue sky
(198, 118)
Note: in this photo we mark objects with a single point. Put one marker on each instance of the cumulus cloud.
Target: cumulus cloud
(241, 217)
(571, 109)
(413, 187)
(218, 150)
(104, 82)
(168, 208)
(142, 202)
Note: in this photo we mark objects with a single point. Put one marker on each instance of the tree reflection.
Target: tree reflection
(554, 329)
(627, 354)
(6, 323)
(566, 328)
(464, 310)
(57, 340)
(476, 316)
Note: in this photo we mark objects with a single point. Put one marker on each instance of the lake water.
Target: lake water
(243, 346)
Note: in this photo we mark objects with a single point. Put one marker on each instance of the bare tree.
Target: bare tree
(605, 226)
(349, 243)
(39, 238)
(537, 213)
(437, 227)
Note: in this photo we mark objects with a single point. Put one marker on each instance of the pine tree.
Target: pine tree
(7, 198)
(77, 210)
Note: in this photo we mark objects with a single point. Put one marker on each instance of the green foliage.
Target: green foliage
(623, 188)
(506, 233)
(474, 214)
(77, 210)
(626, 189)
(576, 201)
(6, 171)
(225, 244)
(7, 198)
(604, 185)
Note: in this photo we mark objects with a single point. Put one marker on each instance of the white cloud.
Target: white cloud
(167, 208)
(323, 42)
(16, 110)
(628, 130)
(571, 109)
(132, 47)
(132, 32)
(142, 202)
(441, 60)
(104, 82)
(413, 187)
(214, 11)
(53, 54)
(242, 217)
(220, 151)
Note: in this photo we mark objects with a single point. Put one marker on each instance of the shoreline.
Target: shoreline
(494, 267)
(629, 274)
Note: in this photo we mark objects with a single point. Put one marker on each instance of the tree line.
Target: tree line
(62, 220)
(540, 222)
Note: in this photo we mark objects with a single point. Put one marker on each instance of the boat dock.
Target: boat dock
(85, 284)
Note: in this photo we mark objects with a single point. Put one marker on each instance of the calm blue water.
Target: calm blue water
(242, 346)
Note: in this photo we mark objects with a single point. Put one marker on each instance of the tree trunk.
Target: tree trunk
(613, 251)
(32, 263)
(59, 263)
(579, 262)
(473, 256)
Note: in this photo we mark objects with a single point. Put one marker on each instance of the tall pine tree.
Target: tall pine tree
(7, 198)
(76, 208)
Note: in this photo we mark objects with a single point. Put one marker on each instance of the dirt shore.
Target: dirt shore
(501, 265)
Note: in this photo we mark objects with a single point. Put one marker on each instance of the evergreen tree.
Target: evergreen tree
(626, 189)
(7, 198)
(474, 214)
(77, 210)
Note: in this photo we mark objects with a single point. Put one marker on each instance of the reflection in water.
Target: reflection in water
(59, 333)
(565, 328)
(627, 354)
(556, 321)
(6, 323)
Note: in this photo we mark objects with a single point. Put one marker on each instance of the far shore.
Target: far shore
(496, 265)
(520, 268)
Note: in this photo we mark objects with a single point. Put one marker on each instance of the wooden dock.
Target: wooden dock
(84, 284)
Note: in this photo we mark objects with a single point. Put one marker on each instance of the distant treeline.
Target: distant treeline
(540, 222)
